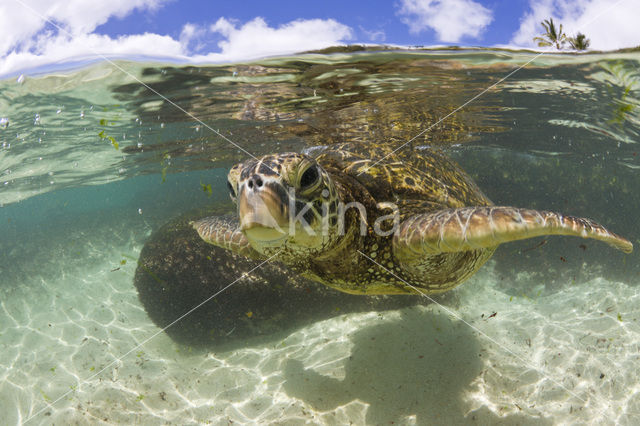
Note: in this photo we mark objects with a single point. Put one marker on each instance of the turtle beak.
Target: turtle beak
(263, 210)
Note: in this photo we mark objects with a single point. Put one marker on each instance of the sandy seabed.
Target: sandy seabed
(69, 312)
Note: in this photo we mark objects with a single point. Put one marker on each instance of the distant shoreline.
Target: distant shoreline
(352, 48)
(75, 63)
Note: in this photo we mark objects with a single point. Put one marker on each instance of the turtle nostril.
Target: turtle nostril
(255, 182)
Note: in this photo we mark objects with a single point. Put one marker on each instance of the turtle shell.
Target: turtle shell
(429, 179)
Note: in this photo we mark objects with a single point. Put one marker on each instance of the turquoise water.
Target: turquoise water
(78, 344)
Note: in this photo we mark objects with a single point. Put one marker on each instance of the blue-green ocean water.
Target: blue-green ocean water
(92, 162)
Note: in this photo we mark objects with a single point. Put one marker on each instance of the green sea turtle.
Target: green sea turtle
(404, 225)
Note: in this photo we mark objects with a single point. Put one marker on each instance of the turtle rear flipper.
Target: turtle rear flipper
(472, 228)
(224, 231)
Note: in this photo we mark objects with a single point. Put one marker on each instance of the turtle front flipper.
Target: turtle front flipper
(224, 231)
(472, 228)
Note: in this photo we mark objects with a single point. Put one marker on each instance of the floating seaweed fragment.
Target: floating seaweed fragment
(206, 188)
(111, 139)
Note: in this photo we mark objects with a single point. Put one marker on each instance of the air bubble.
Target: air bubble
(36, 119)
(139, 211)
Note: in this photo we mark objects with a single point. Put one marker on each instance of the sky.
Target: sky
(37, 33)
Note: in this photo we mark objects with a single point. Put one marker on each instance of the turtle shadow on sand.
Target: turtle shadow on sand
(419, 366)
(247, 302)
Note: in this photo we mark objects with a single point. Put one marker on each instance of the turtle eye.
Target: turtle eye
(309, 177)
(232, 191)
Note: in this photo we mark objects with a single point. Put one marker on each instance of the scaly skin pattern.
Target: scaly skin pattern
(226, 234)
(448, 228)
(470, 228)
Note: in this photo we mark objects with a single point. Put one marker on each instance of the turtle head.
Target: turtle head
(286, 202)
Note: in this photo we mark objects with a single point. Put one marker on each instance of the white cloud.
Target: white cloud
(451, 19)
(193, 37)
(607, 24)
(27, 41)
(22, 20)
(373, 35)
(256, 39)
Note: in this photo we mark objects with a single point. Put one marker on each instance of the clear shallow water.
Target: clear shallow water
(559, 134)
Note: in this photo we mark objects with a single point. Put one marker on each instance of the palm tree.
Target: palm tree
(579, 42)
(551, 36)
